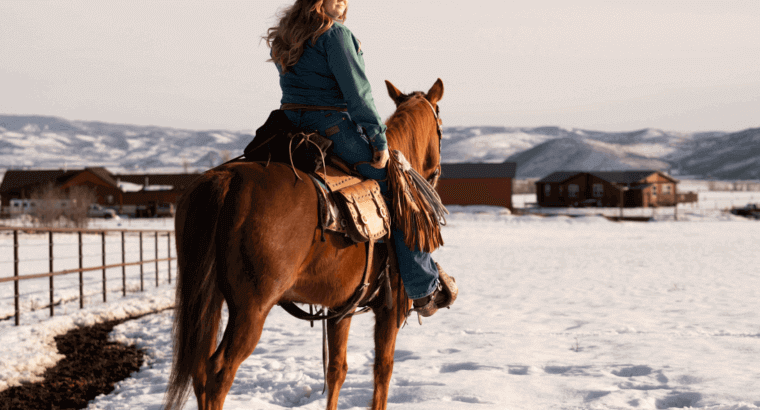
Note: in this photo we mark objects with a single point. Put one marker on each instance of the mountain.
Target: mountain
(541, 151)
(579, 154)
(50, 142)
(729, 157)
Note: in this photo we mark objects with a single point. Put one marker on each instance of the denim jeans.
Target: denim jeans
(417, 269)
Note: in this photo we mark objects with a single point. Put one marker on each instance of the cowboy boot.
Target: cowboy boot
(442, 297)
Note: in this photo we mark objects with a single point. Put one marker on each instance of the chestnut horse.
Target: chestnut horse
(247, 234)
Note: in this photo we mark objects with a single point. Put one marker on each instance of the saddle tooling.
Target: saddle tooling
(349, 205)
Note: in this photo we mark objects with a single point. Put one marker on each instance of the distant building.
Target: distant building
(477, 184)
(22, 184)
(644, 188)
(139, 194)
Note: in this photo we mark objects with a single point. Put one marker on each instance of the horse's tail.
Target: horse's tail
(197, 307)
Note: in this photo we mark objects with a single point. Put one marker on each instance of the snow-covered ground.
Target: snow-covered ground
(553, 313)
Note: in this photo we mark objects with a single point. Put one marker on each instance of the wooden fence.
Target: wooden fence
(144, 235)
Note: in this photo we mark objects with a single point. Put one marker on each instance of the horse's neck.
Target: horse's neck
(407, 140)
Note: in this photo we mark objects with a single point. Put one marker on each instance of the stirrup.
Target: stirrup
(442, 297)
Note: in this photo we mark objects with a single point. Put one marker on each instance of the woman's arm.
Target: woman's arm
(348, 67)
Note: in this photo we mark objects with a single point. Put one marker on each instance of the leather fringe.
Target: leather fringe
(417, 208)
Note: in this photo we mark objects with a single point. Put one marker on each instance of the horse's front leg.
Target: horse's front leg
(386, 330)
(337, 340)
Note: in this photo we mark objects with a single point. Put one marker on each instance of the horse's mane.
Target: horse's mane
(417, 208)
(411, 119)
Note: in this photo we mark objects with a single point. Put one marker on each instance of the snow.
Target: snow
(553, 313)
(158, 187)
(494, 147)
(223, 138)
(11, 134)
(130, 187)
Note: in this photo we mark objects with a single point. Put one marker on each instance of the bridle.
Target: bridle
(433, 179)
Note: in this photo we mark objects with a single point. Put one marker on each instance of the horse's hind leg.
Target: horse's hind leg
(240, 338)
(337, 338)
(200, 373)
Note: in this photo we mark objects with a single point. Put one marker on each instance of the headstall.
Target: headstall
(433, 180)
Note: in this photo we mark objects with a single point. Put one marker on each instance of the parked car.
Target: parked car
(748, 211)
(165, 209)
(97, 211)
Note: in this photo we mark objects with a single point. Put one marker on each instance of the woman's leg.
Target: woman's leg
(417, 269)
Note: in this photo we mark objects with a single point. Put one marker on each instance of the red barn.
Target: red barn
(477, 184)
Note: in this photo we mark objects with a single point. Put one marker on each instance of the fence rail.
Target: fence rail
(16, 261)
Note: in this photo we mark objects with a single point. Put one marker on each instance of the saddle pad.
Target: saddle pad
(369, 215)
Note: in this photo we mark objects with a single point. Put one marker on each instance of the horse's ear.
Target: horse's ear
(393, 92)
(436, 92)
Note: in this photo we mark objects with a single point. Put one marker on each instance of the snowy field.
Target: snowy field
(553, 313)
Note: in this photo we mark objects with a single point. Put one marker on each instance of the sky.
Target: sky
(677, 65)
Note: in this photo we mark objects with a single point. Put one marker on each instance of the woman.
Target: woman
(325, 89)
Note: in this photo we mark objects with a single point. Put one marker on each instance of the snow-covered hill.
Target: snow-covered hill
(541, 151)
(49, 142)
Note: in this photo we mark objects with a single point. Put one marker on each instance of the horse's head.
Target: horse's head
(415, 128)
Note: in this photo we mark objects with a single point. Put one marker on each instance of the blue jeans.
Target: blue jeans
(417, 269)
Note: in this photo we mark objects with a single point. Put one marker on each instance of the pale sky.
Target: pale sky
(678, 65)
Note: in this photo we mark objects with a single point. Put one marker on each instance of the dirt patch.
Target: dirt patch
(91, 367)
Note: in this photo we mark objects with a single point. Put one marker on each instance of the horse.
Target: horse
(247, 234)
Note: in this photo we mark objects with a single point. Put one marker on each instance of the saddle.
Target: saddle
(349, 204)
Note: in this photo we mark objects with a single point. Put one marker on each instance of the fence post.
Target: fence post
(81, 274)
(103, 253)
(15, 273)
(123, 268)
(169, 254)
(156, 235)
(50, 263)
(142, 288)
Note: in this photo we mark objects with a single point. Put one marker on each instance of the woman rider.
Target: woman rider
(325, 89)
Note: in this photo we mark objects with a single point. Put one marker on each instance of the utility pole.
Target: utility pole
(623, 190)
(675, 202)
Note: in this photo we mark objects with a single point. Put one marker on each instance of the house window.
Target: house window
(598, 190)
(109, 198)
(667, 189)
(654, 190)
(573, 190)
(547, 189)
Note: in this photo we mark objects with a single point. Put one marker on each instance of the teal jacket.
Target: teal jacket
(331, 73)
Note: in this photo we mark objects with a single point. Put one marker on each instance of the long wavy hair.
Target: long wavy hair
(305, 20)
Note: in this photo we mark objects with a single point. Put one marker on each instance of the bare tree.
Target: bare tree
(80, 198)
(48, 205)
(55, 207)
(225, 156)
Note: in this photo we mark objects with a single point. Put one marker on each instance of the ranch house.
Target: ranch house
(477, 184)
(22, 184)
(134, 194)
(647, 188)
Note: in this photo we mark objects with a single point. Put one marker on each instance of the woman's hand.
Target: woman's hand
(380, 159)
